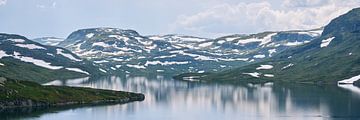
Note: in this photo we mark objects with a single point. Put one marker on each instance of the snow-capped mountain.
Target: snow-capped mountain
(332, 58)
(21, 58)
(126, 51)
(52, 41)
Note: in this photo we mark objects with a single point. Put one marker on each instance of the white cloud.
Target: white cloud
(3, 2)
(304, 3)
(46, 4)
(262, 16)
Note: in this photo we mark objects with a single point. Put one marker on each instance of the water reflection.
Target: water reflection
(170, 99)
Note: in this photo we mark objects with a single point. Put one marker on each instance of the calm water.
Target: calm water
(167, 99)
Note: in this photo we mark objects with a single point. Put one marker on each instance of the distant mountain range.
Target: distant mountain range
(23, 59)
(333, 57)
(128, 52)
(323, 55)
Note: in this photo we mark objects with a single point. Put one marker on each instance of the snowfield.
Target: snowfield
(350, 80)
(17, 40)
(30, 46)
(37, 62)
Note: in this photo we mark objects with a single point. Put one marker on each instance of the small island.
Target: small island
(15, 93)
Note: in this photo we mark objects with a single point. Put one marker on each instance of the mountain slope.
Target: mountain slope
(24, 59)
(333, 57)
(126, 51)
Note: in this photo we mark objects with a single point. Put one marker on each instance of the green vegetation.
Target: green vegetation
(15, 93)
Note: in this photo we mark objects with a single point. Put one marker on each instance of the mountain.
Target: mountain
(52, 41)
(332, 58)
(23, 59)
(126, 51)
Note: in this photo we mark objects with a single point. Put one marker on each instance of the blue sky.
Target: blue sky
(206, 18)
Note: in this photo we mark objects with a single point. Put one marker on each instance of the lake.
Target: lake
(168, 99)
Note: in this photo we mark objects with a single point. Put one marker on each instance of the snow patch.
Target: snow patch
(287, 66)
(3, 54)
(17, 40)
(37, 62)
(263, 41)
(221, 41)
(136, 66)
(61, 52)
(296, 43)
(30, 46)
(101, 44)
(350, 80)
(102, 70)
(112, 68)
(90, 35)
(254, 74)
(265, 67)
(233, 59)
(156, 38)
(231, 39)
(159, 70)
(259, 56)
(101, 61)
(50, 54)
(164, 63)
(326, 42)
(205, 44)
(269, 75)
(162, 57)
(119, 37)
(271, 51)
(77, 70)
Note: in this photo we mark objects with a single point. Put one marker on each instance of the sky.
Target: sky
(204, 18)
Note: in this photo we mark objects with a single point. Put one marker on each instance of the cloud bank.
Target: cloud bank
(3, 2)
(263, 16)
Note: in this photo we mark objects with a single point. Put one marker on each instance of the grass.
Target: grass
(15, 93)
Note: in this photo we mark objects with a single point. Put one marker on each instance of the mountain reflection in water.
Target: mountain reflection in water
(170, 99)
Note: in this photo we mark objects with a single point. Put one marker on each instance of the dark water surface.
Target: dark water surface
(168, 99)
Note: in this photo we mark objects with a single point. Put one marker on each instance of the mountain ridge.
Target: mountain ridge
(329, 59)
(126, 51)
